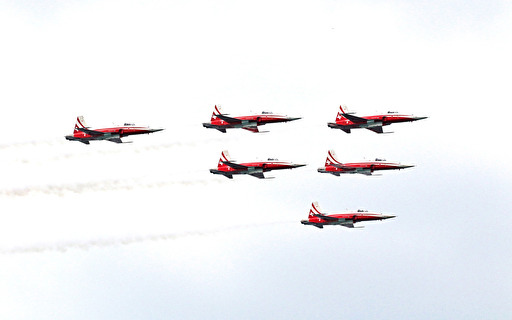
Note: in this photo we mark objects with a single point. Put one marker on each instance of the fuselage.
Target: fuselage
(258, 120)
(354, 216)
(121, 131)
(356, 167)
(263, 166)
(383, 120)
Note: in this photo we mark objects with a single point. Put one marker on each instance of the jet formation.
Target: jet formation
(347, 219)
(228, 167)
(347, 121)
(222, 122)
(335, 167)
(84, 134)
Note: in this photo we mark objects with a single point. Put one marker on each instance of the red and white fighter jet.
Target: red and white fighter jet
(347, 121)
(228, 167)
(83, 134)
(222, 122)
(333, 166)
(318, 219)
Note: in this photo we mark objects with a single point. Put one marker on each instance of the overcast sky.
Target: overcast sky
(144, 231)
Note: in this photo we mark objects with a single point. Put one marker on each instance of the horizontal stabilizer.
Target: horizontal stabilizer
(212, 126)
(225, 174)
(309, 223)
(338, 126)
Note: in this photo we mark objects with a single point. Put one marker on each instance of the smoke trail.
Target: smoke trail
(105, 185)
(32, 143)
(58, 145)
(102, 243)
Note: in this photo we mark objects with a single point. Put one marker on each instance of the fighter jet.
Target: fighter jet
(333, 166)
(228, 167)
(222, 122)
(318, 219)
(346, 121)
(84, 134)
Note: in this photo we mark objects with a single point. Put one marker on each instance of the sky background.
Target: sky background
(144, 231)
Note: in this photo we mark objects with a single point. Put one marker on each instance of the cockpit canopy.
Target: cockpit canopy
(379, 159)
(362, 210)
(126, 124)
(391, 112)
(272, 159)
(266, 112)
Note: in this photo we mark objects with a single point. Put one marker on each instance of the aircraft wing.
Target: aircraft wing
(377, 129)
(116, 140)
(348, 224)
(236, 165)
(366, 171)
(258, 175)
(252, 129)
(228, 119)
(354, 118)
(91, 132)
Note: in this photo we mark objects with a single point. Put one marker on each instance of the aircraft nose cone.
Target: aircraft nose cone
(420, 118)
(292, 119)
(298, 165)
(387, 216)
(405, 166)
(155, 130)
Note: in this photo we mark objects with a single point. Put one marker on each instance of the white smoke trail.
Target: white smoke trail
(101, 243)
(105, 185)
(32, 143)
(57, 149)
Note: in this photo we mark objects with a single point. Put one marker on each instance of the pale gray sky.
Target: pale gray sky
(143, 230)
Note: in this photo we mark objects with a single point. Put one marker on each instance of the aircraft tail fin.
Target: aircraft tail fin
(224, 156)
(80, 123)
(216, 111)
(315, 209)
(331, 158)
(342, 112)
